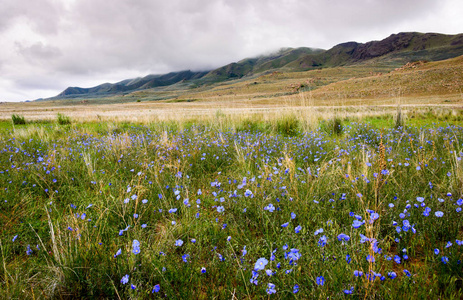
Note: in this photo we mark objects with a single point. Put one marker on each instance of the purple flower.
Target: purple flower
(178, 243)
(438, 214)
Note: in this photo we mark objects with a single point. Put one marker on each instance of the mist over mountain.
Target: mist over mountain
(397, 49)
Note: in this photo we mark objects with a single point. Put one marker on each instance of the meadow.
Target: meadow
(284, 206)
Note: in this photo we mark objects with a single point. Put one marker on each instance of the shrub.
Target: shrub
(288, 125)
(63, 119)
(18, 120)
(332, 126)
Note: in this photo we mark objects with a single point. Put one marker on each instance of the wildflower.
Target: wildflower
(285, 224)
(185, 257)
(203, 270)
(178, 243)
(357, 224)
(270, 207)
(15, 237)
(136, 247)
(426, 211)
(144, 201)
(370, 258)
(343, 237)
(294, 254)
(407, 273)
(438, 214)
(271, 289)
(118, 253)
(133, 287)
(125, 279)
(143, 225)
(298, 229)
(420, 199)
(295, 289)
(172, 210)
(260, 264)
(220, 209)
(348, 259)
(397, 259)
(436, 251)
(318, 231)
(320, 280)
(322, 241)
(156, 288)
(392, 275)
(293, 215)
(349, 291)
(268, 272)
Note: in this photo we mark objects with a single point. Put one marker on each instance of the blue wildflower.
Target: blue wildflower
(125, 279)
(357, 223)
(320, 280)
(156, 288)
(343, 237)
(260, 264)
(271, 289)
(135, 247)
(118, 253)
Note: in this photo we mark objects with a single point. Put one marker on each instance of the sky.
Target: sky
(48, 45)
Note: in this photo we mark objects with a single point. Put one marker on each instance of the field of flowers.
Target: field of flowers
(137, 211)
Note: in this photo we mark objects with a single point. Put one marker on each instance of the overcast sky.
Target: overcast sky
(48, 45)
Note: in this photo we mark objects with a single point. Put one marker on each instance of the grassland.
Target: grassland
(300, 185)
(233, 208)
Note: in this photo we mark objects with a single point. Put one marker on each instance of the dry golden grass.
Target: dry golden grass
(347, 91)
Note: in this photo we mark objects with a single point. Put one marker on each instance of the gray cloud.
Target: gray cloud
(51, 44)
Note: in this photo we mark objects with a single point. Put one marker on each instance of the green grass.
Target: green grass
(75, 195)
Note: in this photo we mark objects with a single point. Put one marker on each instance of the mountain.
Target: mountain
(395, 50)
(147, 82)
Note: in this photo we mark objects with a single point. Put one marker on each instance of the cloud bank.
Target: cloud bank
(48, 45)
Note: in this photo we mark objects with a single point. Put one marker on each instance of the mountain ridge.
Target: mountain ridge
(396, 49)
